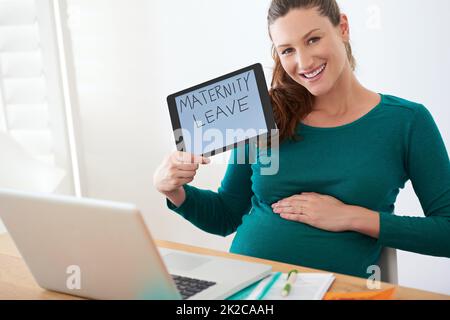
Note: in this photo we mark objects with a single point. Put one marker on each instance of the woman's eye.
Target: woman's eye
(286, 51)
(313, 40)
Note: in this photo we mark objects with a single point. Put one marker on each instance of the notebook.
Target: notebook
(308, 286)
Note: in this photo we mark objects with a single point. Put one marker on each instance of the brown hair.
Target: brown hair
(291, 101)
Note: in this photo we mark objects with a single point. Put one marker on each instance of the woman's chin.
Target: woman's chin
(317, 91)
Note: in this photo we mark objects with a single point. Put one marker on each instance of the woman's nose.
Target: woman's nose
(304, 63)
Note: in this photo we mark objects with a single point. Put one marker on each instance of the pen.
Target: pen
(291, 278)
(263, 287)
(268, 286)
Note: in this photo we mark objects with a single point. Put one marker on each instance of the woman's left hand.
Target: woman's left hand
(319, 211)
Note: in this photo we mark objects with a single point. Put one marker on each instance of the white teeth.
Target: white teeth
(315, 73)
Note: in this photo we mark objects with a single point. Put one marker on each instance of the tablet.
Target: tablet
(220, 114)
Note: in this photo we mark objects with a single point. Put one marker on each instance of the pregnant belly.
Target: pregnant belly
(265, 235)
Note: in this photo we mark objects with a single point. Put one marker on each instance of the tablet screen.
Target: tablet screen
(222, 112)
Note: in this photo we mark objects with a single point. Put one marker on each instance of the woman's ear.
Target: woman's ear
(344, 28)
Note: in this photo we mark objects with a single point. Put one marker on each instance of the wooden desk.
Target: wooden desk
(16, 281)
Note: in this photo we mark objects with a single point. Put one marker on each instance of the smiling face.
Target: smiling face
(311, 50)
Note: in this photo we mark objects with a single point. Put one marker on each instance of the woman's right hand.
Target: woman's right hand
(176, 170)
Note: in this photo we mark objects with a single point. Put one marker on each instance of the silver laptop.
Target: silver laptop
(103, 250)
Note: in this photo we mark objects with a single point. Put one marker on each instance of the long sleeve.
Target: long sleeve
(220, 212)
(428, 167)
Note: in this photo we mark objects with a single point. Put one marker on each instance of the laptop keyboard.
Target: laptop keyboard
(189, 287)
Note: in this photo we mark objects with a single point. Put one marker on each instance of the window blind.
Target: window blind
(31, 95)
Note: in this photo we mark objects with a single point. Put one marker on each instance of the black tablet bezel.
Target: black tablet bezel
(263, 95)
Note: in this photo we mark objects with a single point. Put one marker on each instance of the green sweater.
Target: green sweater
(363, 163)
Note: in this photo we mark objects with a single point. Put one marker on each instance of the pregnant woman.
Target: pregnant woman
(344, 154)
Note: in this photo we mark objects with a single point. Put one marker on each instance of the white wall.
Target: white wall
(130, 55)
